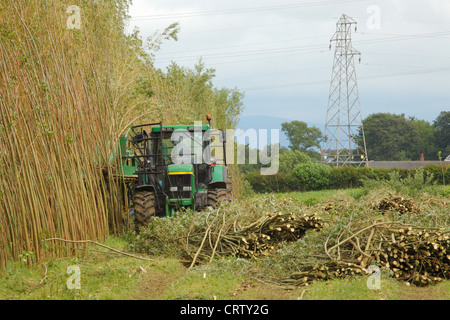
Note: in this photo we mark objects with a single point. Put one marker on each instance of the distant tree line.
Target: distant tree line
(391, 137)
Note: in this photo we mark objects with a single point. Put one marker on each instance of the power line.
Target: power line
(284, 86)
(410, 55)
(299, 48)
(406, 37)
(275, 73)
(407, 73)
(379, 76)
(242, 27)
(318, 68)
(246, 53)
(243, 10)
(266, 57)
(409, 21)
(244, 45)
(400, 35)
(395, 65)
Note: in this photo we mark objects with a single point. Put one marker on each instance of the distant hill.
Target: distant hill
(267, 122)
(263, 122)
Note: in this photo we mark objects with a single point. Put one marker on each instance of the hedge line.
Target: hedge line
(307, 177)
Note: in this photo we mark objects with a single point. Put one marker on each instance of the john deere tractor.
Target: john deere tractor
(173, 167)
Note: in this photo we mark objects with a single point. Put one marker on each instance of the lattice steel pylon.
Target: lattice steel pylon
(345, 141)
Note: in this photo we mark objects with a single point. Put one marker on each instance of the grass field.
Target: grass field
(108, 275)
(111, 277)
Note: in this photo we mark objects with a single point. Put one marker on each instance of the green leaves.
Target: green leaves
(442, 132)
(301, 136)
(389, 136)
(290, 159)
(313, 176)
(394, 137)
(25, 256)
(154, 42)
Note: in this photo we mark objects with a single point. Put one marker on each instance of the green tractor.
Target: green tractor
(172, 167)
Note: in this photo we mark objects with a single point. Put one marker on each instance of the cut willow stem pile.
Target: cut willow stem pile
(420, 256)
(397, 204)
(257, 239)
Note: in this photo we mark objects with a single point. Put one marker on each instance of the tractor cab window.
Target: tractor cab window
(203, 176)
(167, 148)
(185, 147)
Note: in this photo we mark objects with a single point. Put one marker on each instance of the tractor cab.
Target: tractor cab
(176, 166)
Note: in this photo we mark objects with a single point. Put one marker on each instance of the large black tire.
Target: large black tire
(217, 196)
(144, 209)
(229, 188)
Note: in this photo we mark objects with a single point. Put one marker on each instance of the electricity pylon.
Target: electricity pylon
(345, 143)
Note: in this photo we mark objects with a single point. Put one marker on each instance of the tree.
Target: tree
(312, 176)
(426, 143)
(442, 132)
(391, 137)
(184, 95)
(290, 159)
(301, 136)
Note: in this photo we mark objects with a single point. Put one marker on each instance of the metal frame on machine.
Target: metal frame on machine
(151, 164)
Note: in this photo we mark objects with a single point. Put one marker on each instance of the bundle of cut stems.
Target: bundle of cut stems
(260, 238)
(414, 254)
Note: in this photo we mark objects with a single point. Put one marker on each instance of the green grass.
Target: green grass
(203, 286)
(106, 276)
(390, 289)
(311, 198)
(110, 277)
(103, 276)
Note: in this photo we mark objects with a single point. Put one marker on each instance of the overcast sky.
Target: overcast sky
(277, 52)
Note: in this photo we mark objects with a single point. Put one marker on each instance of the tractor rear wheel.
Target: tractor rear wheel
(216, 196)
(144, 209)
(229, 188)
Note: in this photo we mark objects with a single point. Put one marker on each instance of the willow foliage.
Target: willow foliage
(71, 82)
